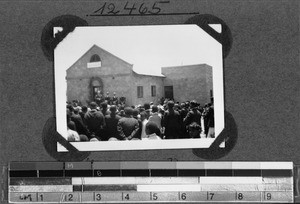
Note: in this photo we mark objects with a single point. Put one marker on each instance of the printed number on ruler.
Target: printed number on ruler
(154, 196)
(130, 8)
(210, 196)
(99, 173)
(69, 197)
(41, 197)
(126, 196)
(183, 196)
(268, 196)
(97, 196)
(240, 196)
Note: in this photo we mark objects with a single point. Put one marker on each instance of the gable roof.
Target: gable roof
(102, 50)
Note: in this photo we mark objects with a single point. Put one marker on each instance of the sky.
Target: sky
(148, 48)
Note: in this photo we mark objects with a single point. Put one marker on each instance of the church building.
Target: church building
(99, 71)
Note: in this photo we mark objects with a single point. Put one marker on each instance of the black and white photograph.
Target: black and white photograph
(139, 87)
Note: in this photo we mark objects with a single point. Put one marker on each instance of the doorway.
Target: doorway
(96, 88)
(169, 92)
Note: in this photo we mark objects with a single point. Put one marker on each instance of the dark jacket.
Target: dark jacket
(192, 116)
(95, 122)
(71, 125)
(111, 122)
(173, 125)
(80, 127)
(128, 128)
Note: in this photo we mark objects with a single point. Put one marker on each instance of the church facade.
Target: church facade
(99, 71)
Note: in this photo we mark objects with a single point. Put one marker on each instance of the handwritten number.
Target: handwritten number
(129, 8)
(269, 196)
(42, 197)
(240, 196)
(211, 195)
(127, 197)
(101, 9)
(111, 7)
(143, 10)
(155, 7)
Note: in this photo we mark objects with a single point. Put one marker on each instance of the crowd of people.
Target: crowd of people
(114, 100)
(168, 120)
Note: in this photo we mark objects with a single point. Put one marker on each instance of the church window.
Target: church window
(95, 62)
(140, 91)
(95, 58)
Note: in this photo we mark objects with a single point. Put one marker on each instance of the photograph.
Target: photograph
(139, 87)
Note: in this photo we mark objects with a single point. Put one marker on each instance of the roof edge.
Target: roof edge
(190, 65)
(148, 74)
(94, 45)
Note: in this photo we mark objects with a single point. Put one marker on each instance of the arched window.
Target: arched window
(95, 61)
(95, 58)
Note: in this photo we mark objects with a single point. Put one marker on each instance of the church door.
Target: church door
(96, 87)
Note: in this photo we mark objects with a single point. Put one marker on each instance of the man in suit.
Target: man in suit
(193, 115)
(111, 121)
(95, 121)
(172, 123)
(76, 118)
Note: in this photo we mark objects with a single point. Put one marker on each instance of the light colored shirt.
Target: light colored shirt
(143, 134)
(152, 137)
(156, 118)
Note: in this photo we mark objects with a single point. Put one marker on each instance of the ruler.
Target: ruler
(142, 182)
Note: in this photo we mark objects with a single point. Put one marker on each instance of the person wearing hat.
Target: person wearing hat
(95, 122)
(172, 123)
(76, 118)
(147, 110)
(128, 126)
(193, 115)
(111, 121)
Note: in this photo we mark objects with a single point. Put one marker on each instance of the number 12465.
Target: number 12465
(130, 8)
